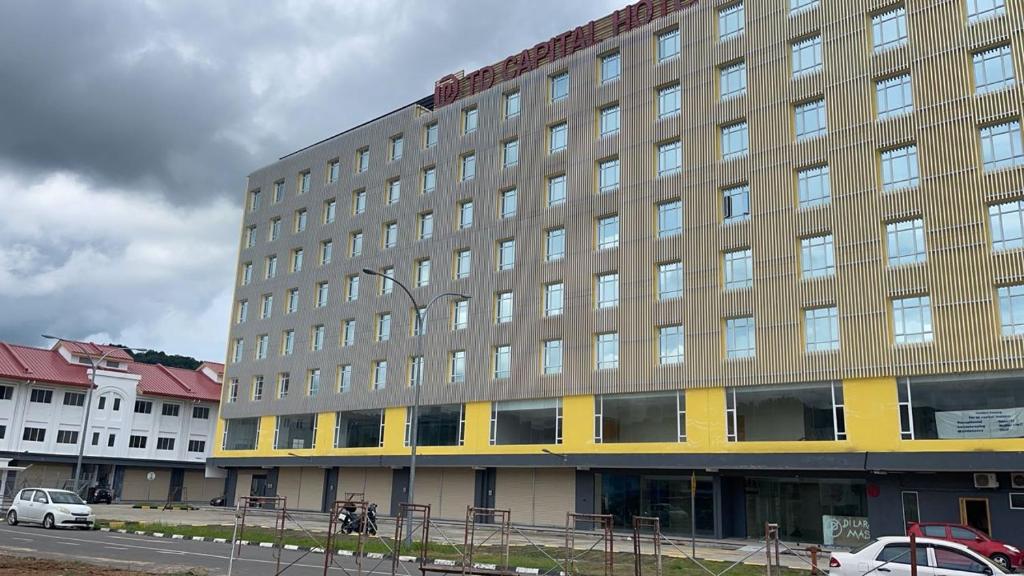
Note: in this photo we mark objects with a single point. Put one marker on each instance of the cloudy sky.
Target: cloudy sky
(127, 128)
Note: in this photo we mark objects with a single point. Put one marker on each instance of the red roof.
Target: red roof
(175, 382)
(91, 349)
(24, 363)
(215, 366)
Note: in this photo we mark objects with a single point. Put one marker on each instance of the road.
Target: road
(149, 554)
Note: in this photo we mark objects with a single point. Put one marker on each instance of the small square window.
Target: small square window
(607, 290)
(510, 153)
(608, 175)
(669, 101)
(993, 69)
(608, 232)
(670, 158)
(817, 257)
(670, 345)
(430, 135)
(668, 45)
(736, 203)
(889, 29)
(739, 269)
(813, 186)
(512, 104)
(894, 96)
(609, 120)
(905, 242)
(470, 120)
(468, 167)
(912, 320)
(740, 337)
(821, 329)
(806, 56)
(556, 190)
(558, 137)
(899, 168)
(734, 140)
(1001, 146)
(606, 348)
(670, 218)
(611, 67)
(730, 21)
(559, 86)
(732, 80)
(811, 119)
(1006, 222)
(1011, 310)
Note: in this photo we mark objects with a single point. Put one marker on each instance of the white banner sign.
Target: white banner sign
(973, 424)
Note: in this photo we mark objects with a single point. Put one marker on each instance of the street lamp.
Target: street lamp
(421, 319)
(88, 400)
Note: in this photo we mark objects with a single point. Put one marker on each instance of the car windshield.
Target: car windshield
(65, 498)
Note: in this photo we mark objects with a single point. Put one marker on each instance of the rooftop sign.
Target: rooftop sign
(453, 87)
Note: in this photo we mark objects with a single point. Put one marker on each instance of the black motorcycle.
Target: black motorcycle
(351, 520)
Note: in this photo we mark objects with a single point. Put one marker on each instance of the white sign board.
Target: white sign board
(974, 424)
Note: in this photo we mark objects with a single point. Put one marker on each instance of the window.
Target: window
(967, 408)
(301, 218)
(507, 203)
(143, 407)
(524, 422)
(67, 437)
(554, 299)
(261, 346)
(606, 348)
(292, 300)
(905, 242)
(558, 137)
(457, 366)
(463, 264)
(348, 332)
(734, 140)
(950, 559)
(394, 191)
(736, 203)
(813, 186)
(437, 425)
(257, 388)
(3, 431)
(304, 182)
(397, 147)
(74, 399)
(554, 244)
(609, 120)
(506, 254)
(608, 175)
(649, 417)
(739, 269)
(6, 392)
(278, 191)
(287, 342)
(429, 180)
(670, 280)
(608, 232)
(993, 69)
(380, 374)
(363, 160)
(196, 446)
(821, 329)
(322, 291)
(171, 410)
(246, 274)
(237, 350)
(470, 120)
(785, 413)
(34, 434)
(270, 267)
(503, 302)
(556, 190)
(358, 202)
(502, 362)
(275, 229)
(137, 442)
(468, 167)
(899, 168)
(40, 396)
(390, 239)
(739, 337)
(425, 226)
(668, 45)
(422, 273)
(670, 158)
(1001, 146)
(1007, 224)
(889, 29)
(912, 320)
(611, 67)
(344, 378)
(811, 119)
(243, 312)
(559, 86)
(669, 101)
(465, 214)
(806, 56)
(333, 171)
(313, 382)
(670, 345)
(801, 5)
(607, 290)
(552, 361)
(670, 218)
(732, 80)
(430, 135)
(296, 260)
(383, 327)
(817, 257)
(510, 153)
(416, 325)
(352, 288)
(512, 104)
(326, 252)
(730, 21)
(460, 314)
(981, 9)
(232, 390)
(296, 432)
(359, 429)
(284, 381)
(240, 434)
(111, 439)
(894, 96)
(317, 339)
(356, 244)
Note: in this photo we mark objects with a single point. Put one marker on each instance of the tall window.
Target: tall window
(817, 257)
(606, 348)
(257, 388)
(322, 291)
(415, 371)
(468, 167)
(611, 67)
(502, 362)
(457, 366)
(1007, 225)
(344, 378)
(333, 171)
(739, 337)
(559, 86)
(270, 267)
(608, 175)
(292, 300)
(463, 263)
(554, 244)
(607, 290)
(503, 307)
(814, 186)
(380, 374)
(670, 218)
(254, 200)
(993, 69)
(297, 260)
(609, 121)
(465, 214)
(811, 120)
(287, 342)
(894, 96)
(669, 100)
(552, 360)
(304, 182)
(317, 340)
(507, 203)
(670, 158)
(387, 285)
(1001, 146)
(912, 320)
(558, 137)
(422, 273)
(470, 120)
(352, 288)
(734, 140)
(348, 332)
(905, 242)
(384, 327)
(670, 345)
(732, 80)
(460, 314)
(736, 203)
(429, 180)
(1011, 310)
(275, 229)
(363, 160)
(506, 254)
(899, 168)
(358, 202)
(981, 9)
(889, 29)
(738, 266)
(425, 226)
(301, 217)
(510, 153)
(821, 329)
(390, 239)
(554, 299)
(430, 135)
(608, 232)
(670, 280)
(278, 191)
(730, 21)
(283, 383)
(512, 104)
(668, 45)
(394, 191)
(556, 190)
(313, 382)
(806, 56)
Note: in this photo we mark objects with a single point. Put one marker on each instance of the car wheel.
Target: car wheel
(12, 518)
(1002, 559)
(48, 522)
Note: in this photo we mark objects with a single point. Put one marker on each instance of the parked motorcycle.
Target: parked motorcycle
(351, 520)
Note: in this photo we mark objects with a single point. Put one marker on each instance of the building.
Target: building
(773, 245)
(145, 419)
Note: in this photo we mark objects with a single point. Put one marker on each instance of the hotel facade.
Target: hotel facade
(775, 246)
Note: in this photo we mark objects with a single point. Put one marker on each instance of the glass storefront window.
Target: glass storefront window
(656, 417)
(359, 429)
(295, 432)
(666, 497)
(970, 407)
(437, 425)
(241, 434)
(526, 422)
(796, 412)
(798, 506)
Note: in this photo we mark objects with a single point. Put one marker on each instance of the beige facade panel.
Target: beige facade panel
(138, 488)
(199, 488)
(536, 496)
(304, 487)
(448, 491)
(47, 476)
(243, 485)
(374, 483)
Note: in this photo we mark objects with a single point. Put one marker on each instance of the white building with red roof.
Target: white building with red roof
(151, 427)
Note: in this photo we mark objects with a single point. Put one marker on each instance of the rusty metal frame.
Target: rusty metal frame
(358, 507)
(644, 526)
(410, 513)
(603, 524)
(475, 515)
(280, 506)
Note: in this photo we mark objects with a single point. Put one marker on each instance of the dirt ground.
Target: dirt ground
(13, 566)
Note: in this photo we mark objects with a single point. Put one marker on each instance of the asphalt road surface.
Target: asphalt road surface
(161, 555)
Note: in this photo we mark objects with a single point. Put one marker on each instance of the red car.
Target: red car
(1006, 555)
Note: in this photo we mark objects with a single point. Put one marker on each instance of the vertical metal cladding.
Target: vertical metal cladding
(961, 273)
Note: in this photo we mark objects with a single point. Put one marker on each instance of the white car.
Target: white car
(51, 508)
(890, 556)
